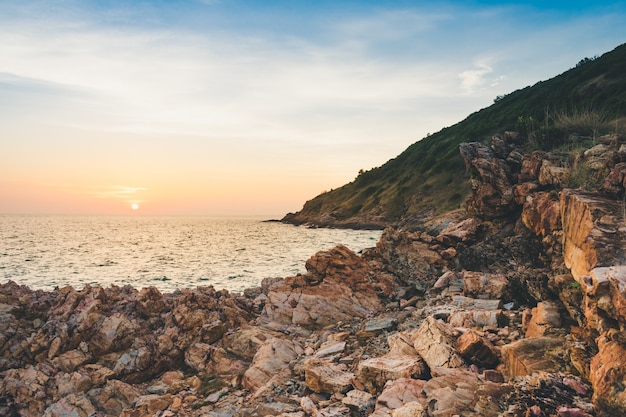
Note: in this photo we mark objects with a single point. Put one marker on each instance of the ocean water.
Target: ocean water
(168, 253)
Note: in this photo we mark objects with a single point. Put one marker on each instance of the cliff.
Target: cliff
(513, 307)
(429, 177)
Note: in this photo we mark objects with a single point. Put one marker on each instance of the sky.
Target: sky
(241, 107)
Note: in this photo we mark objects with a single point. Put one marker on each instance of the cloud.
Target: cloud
(120, 192)
(474, 79)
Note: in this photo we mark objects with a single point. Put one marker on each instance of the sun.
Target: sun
(134, 206)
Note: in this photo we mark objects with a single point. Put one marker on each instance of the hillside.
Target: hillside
(430, 177)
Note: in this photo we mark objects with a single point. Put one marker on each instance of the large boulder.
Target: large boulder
(339, 286)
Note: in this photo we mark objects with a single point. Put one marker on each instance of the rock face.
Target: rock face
(516, 310)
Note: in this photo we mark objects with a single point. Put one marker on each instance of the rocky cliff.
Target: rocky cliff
(515, 306)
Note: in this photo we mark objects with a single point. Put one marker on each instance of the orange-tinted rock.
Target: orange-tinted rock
(526, 356)
(545, 320)
(608, 373)
(542, 214)
(477, 349)
(484, 285)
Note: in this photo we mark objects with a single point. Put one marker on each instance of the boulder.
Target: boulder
(484, 285)
(477, 349)
(324, 376)
(374, 373)
(434, 341)
(459, 392)
(271, 362)
(337, 287)
(525, 356)
(545, 320)
(542, 213)
(400, 392)
(608, 373)
(492, 196)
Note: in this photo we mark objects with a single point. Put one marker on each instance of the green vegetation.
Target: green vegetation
(430, 175)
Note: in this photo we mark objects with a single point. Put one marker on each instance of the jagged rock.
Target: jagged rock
(330, 348)
(197, 356)
(546, 320)
(524, 190)
(380, 324)
(399, 393)
(71, 360)
(271, 361)
(327, 377)
(526, 356)
(594, 248)
(531, 164)
(459, 232)
(359, 401)
(375, 372)
(608, 373)
(606, 297)
(468, 303)
(615, 182)
(148, 405)
(337, 287)
(459, 392)
(542, 214)
(492, 197)
(413, 409)
(75, 405)
(434, 341)
(593, 233)
(483, 285)
(477, 349)
(550, 174)
(408, 256)
(474, 318)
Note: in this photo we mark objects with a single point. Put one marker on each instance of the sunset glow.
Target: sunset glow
(184, 108)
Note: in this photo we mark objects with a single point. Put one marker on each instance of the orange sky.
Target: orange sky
(238, 107)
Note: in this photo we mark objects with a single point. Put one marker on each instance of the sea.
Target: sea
(169, 253)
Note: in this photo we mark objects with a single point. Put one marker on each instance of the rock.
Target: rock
(75, 405)
(550, 174)
(374, 373)
(546, 320)
(492, 197)
(321, 375)
(338, 288)
(476, 304)
(380, 324)
(409, 257)
(330, 348)
(434, 341)
(459, 392)
(115, 333)
(413, 409)
(148, 405)
(542, 214)
(359, 401)
(608, 373)
(526, 356)
(482, 285)
(476, 318)
(463, 231)
(477, 349)
(71, 360)
(592, 234)
(270, 362)
(400, 392)
(615, 182)
(197, 356)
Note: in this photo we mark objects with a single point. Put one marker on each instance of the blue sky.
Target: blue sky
(243, 107)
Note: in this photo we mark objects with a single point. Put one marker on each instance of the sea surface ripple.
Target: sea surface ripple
(168, 253)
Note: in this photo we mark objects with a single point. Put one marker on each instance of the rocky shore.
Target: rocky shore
(513, 307)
